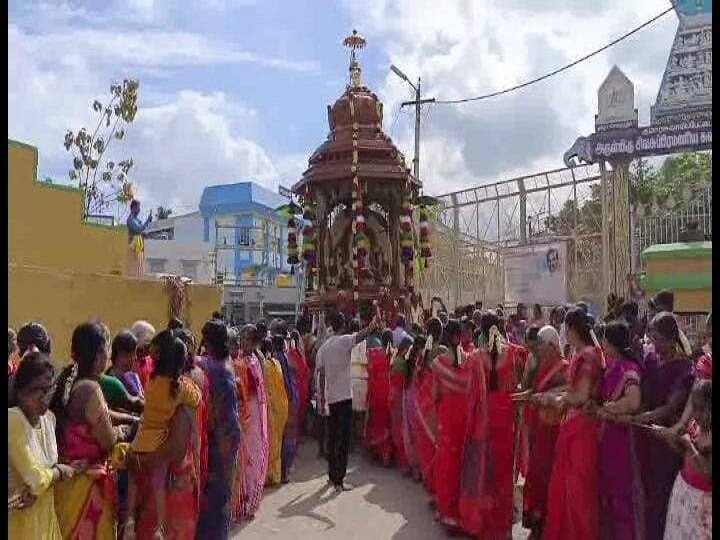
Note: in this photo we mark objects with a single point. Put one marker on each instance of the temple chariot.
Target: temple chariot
(364, 230)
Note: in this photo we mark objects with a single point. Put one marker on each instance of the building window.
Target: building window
(206, 229)
(156, 266)
(244, 236)
(189, 269)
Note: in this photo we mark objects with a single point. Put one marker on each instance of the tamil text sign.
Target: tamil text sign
(650, 141)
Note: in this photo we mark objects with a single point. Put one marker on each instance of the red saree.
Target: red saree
(397, 384)
(451, 389)
(378, 438)
(243, 392)
(181, 502)
(426, 425)
(475, 496)
(302, 372)
(492, 516)
(573, 500)
(203, 429)
(543, 425)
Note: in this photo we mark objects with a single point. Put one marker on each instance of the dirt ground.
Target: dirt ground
(384, 505)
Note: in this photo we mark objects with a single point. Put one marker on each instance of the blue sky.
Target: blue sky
(237, 90)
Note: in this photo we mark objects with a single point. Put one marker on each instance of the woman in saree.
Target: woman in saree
(399, 375)
(425, 432)
(501, 362)
(289, 440)
(689, 513)
(621, 492)
(33, 467)
(378, 430)
(451, 385)
(667, 379)
(543, 424)
(240, 370)
(85, 505)
(573, 498)
(298, 359)
(278, 409)
(224, 433)
(180, 453)
(254, 466)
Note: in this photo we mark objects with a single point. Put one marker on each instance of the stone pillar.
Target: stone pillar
(620, 230)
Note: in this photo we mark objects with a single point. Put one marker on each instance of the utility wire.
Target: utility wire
(559, 70)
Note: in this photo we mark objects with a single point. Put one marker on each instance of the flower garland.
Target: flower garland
(361, 242)
(425, 252)
(407, 243)
(178, 293)
(309, 245)
(292, 246)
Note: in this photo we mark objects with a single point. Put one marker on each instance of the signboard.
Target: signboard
(536, 274)
(285, 192)
(616, 103)
(643, 141)
(652, 140)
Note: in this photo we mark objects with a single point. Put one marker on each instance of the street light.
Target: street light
(417, 103)
(400, 74)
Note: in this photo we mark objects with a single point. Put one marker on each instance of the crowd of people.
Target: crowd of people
(151, 434)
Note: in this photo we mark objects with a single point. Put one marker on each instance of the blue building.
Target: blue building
(239, 220)
(236, 240)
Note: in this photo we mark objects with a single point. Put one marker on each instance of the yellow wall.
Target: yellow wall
(61, 300)
(63, 272)
(45, 223)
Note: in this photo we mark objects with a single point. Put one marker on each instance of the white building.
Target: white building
(235, 240)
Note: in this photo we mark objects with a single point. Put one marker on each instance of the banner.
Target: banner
(536, 274)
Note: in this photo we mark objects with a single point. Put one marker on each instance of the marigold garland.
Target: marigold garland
(424, 224)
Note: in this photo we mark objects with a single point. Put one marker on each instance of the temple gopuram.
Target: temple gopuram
(360, 241)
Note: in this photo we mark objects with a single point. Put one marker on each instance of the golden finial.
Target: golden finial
(353, 42)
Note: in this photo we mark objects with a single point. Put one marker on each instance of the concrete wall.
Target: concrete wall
(60, 300)
(63, 272)
(45, 223)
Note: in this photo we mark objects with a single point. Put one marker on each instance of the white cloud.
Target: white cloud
(180, 141)
(470, 48)
(145, 49)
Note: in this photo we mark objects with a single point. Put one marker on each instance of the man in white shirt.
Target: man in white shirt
(334, 360)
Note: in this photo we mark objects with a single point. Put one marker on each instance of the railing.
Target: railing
(657, 225)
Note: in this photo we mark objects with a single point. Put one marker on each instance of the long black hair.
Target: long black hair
(665, 324)
(88, 340)
(30, 334)
(489, 320)
(452, 330)
(33, 365)
(216, 340)
(171, 358)
(578, 320)
(434, 330)
(617, 334)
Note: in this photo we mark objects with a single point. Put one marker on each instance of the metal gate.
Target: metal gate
(473, 226)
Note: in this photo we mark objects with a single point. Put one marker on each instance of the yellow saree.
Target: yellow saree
(278, 410)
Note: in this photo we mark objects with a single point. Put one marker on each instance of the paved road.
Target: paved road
(383, 506)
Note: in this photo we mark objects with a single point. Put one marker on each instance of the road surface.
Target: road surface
(383, 506)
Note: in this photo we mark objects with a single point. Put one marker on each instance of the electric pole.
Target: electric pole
(418, 102)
